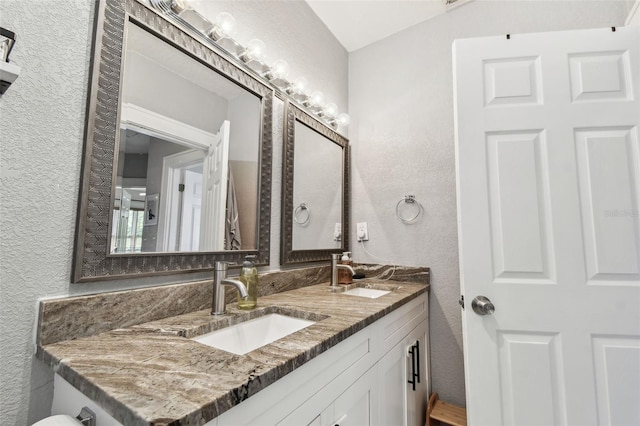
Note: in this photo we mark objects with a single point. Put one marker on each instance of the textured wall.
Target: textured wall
(41, 135)
(292, 32)
(41, 132)
(401, 103)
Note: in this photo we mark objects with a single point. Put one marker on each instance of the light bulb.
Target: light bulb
(226, 25)
(316, 99)
(255, 51)
(280, 69)
(343, 119)
(300, 85)
(330, 110)
(180, 6)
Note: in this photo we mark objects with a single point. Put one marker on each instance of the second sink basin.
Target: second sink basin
(366, 289)
(250, 335)
(371, 293)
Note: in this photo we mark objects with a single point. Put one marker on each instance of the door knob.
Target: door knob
(482, 306)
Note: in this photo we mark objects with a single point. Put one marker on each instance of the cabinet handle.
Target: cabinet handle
(413, 367)
(415, 364)
(418, 360)
(340, 420)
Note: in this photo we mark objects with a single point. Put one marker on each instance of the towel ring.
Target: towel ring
(409, 199)
(299, 211)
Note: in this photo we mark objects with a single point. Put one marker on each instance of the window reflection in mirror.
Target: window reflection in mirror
(188, 158)
(317, 190)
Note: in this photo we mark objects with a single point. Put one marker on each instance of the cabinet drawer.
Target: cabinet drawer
(347, 360)
(399, 323)
(355, 405)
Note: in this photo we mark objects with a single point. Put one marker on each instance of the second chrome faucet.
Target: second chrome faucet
(335, 266)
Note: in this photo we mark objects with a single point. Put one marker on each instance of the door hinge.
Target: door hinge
(461, 301)
(181, 187)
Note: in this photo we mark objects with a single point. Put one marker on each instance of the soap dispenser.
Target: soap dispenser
(249, 277)
(344, 276)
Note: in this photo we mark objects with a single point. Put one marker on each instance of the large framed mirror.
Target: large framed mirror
(177, 164)
(315, 199)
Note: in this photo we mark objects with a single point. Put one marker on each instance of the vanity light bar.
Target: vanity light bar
(222, 34)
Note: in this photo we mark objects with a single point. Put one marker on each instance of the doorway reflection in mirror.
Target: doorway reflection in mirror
(190, 136)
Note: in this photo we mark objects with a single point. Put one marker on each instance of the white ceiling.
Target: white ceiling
(357, 23)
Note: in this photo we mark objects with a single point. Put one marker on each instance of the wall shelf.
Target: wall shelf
(8, 74)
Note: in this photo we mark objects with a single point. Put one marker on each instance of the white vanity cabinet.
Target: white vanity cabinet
(361, 381)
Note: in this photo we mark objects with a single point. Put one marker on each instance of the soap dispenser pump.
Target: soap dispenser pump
(344, 276)
(249, 277)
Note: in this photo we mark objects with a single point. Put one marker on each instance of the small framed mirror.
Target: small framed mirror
(177, 165)
(315, 206)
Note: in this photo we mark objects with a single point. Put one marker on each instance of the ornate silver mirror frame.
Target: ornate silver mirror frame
(288, 254)
(92, 261)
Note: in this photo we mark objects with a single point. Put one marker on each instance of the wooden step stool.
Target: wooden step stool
(438, 411)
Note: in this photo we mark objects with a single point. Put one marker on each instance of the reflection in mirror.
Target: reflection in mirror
(177, 160)
(315, 204)
(317, 190)
(188, 147)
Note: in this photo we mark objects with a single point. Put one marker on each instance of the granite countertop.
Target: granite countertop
(153, 374)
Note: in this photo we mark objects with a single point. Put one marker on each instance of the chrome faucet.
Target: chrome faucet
(220, 281)
(335, 266)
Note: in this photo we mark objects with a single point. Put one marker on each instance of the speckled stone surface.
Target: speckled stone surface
(395, 273)
(152, 374)
(83, 316)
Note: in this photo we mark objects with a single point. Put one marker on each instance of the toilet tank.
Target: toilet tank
(69, 400)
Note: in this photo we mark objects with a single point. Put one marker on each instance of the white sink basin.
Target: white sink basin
(253, 334)
(366, 292)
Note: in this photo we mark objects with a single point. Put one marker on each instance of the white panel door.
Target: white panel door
(214, 194)
(548, 169)
(170, 218)
(191, 211)
(123, 222)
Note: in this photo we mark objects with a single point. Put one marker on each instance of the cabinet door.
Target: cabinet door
(399, 404)
(417, 399)
(356, 406)
(314, 412)
(392, 381)
(395, 327)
